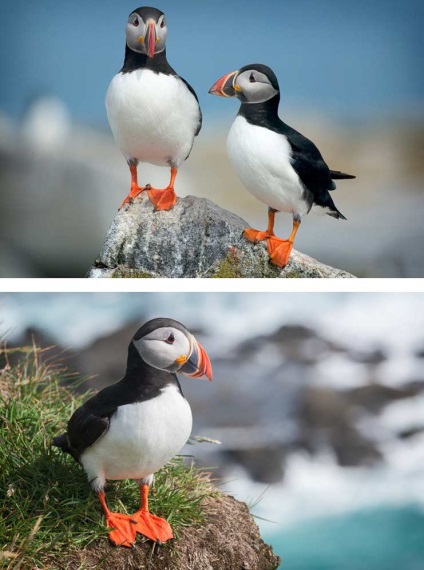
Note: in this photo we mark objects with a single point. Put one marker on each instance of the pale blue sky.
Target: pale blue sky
(342, 58)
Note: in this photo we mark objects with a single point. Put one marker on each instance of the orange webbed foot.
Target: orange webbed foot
(162, 199)
(134, 192)
(153, 527)
(255, 235)
(279, 251)
(123, 531)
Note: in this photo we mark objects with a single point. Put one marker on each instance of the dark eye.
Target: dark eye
(252, 78)
(170, 339)
(136, 22)
(162, 24)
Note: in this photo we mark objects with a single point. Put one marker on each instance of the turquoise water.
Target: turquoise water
(378, 539)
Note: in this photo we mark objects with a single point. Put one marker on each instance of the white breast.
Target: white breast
(142, 437)
(261, 159)
(153, 116)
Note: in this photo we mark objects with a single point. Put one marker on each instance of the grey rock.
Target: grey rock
(196, 238)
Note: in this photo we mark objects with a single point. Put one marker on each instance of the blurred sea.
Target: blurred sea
(371, 539)
(324, 516)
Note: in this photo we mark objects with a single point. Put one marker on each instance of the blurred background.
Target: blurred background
(318, 400)
(351, 80)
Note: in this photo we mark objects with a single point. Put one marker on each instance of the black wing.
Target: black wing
(193, 92)
(308, 163)
(313, 172)
(89, 422)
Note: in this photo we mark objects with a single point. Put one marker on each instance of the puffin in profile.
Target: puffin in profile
(154, 114)
(131, 429)
(279, 166)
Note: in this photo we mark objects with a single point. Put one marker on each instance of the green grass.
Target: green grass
(46, 506)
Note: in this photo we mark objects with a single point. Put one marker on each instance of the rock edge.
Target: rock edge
(197, 238)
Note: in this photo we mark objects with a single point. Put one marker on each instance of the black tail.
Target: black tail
(336, 214)
(324, 200)
(62, 442)
(337, 175)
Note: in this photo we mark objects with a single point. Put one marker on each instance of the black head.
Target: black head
(146, 31)
(167, 345)
(148, 12)
(154, 324)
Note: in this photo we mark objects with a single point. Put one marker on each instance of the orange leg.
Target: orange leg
(149, 525)
(135, 188)
(255, 235)
(280, 249)
(123, 531)
(166, 198)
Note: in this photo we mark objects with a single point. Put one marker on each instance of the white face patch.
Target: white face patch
(255, 86)
(162, 347)
(136, 32)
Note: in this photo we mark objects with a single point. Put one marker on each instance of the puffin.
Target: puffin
(132, 428)
(277, 164)
(154, 114)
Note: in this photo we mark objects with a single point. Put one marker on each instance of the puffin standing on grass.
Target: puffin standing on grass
(278, 165)
(131, 429)
(154, 114)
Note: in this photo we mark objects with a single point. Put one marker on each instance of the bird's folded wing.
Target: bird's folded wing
(86, 426)
(91, 420)
(314, 173)
(308, 162)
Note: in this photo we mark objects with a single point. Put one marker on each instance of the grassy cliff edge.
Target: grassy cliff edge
(50, 519)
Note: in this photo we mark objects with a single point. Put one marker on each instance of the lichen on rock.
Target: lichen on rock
(196, 238)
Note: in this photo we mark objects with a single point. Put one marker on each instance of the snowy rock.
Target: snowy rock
(196, 238)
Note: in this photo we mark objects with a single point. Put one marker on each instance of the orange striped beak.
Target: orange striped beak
(198, 364)
(224, 87)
